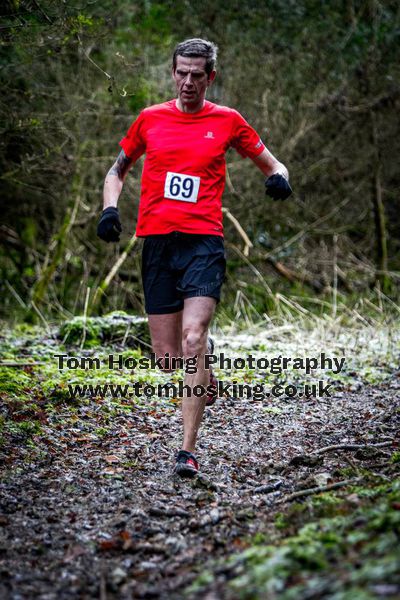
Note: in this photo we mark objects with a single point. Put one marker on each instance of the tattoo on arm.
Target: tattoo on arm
(121, 165)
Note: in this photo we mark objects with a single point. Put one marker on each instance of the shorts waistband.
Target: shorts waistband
(173, 235)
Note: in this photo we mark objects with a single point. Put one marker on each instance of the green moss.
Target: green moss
(259, 538)
(101, 431)
(281, 521)
(204, 579)
(13, 381)
(45, 388)
(274, 410)
(127, 354)
(81, 331)
(302, 565)
(346, 472)
(114, 327)
(325, 504)
(24, 428)
(292, 516)
(395, 458)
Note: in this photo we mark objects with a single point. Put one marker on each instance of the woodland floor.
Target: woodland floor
(90, 508)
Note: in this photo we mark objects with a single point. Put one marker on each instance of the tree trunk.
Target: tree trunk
(56, 251)
(381, 275)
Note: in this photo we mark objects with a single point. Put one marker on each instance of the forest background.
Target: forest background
(318, 80)
(296, 498)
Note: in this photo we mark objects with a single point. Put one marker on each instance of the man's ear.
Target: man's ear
(211, 77)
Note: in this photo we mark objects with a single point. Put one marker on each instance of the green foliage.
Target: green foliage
(302, 563)
(35, 395)
(81, 329)
(25, 428)
(115, 326)
(74, 76)
(395, 458)
(13, 381)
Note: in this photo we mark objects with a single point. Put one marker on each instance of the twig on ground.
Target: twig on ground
(21, 364)
(351, 463)
(350, 447)
(103, 584)
(319, 489)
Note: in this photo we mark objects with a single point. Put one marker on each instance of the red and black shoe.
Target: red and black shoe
(186, 464)
(212, 396)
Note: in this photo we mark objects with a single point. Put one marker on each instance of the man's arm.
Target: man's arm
(277, 183)
(115, 180)
(109, 226)
(269, 165)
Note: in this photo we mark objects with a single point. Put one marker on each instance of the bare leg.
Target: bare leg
(185, 333)
(166, 334)
(197, 314)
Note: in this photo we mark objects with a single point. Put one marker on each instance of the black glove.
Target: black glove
(109, 226)
(277, 187)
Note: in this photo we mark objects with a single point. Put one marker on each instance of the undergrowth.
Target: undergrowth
(342, 547)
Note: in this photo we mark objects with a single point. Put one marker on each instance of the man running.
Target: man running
(180, 215)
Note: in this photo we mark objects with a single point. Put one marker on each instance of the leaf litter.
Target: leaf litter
(90, 508)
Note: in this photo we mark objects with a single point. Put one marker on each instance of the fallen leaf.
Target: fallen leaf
(109, 544)
(73, 552)
(112, 458)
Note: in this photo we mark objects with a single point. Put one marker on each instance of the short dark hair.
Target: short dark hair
(197, 47)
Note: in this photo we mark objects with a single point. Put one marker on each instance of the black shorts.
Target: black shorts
(179, 265)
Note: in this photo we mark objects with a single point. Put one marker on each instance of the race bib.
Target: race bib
(181, 187)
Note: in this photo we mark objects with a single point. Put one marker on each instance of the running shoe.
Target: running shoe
(211, 397)
(186, 464)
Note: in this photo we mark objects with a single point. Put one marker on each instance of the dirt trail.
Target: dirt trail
(90, 517)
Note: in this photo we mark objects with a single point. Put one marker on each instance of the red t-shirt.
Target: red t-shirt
(184, 170)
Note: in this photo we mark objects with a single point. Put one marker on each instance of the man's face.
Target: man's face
(191, 80)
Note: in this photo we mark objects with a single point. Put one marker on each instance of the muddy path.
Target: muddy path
(87, 515)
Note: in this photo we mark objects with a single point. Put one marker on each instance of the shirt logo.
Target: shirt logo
(209, 135)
